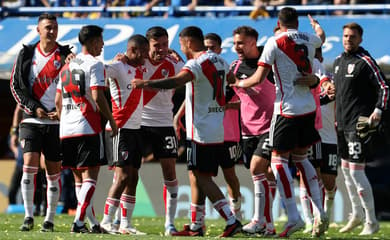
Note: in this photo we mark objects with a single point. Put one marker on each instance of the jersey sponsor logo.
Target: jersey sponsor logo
(243, 76)
(216, 109)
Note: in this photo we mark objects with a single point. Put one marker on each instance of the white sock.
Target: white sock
(284, 182)
(322, 191)
(329, 199)
(28, 189)
(364, 190)
(118, 215)
(170, 199)
(197, 216)
(235, 207)
(84, 200)
(272, 188)
(351, 188)
(259, 191)
(310, 180)
(77, 189)
(268, 206)
(127, 206)
(110, 208)
(306, 205)
(53, 195)
(223, 208)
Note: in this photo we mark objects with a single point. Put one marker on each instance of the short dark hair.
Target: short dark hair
(47, 16)
(156, 32)
(192, 32)
(288, 16)
(247, 31)
(354, 26)
(89, 32)
(139, 40)
(215, 37)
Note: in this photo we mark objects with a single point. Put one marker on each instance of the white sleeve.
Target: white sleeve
(112, 70)
(318, 69)
(97, 75)
(194, 68)
(315, 40)
(178, 66)
(268, 55)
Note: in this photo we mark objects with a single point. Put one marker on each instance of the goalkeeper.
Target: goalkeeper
(361, 91)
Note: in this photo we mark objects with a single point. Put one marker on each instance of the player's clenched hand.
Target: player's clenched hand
(236, 83)
(41, 113)
(114, 128)
(121, 58)
(138, 83)
(53, 116)
(70, 57)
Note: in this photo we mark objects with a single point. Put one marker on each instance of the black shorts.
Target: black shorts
(41, 138)
(233, 154)
(256, 145)
(161, 141)
(83, 152)
(108, 149)
(352, 148)
(287, 134)
(314, 154)
(204, 158)
(127, 148)
(329, 160)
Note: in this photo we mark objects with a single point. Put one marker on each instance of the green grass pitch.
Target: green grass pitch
(9, 229)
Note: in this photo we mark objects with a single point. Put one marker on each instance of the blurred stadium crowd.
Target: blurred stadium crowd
(261, 8)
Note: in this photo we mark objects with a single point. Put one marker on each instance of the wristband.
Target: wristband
(14, 131)
(241, 84)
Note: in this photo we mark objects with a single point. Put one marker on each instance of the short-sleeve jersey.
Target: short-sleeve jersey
(126, 101)
(290, 53)
(158, 105)
(80, 115)
(43, 78)
(205, 98)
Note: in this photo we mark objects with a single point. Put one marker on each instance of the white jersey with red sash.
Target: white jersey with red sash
(43, 79)
(80, 115)
(291, 54)
(158, 105)
(126, 101)
(205, 98)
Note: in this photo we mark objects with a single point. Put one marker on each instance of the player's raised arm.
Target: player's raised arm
(173, 82)
(317, 28)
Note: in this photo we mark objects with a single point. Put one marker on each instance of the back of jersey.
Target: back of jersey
(291, 55)
(79, 115)
(205, 98)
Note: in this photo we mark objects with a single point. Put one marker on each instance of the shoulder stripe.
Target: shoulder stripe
(15, 94)
(379, 77)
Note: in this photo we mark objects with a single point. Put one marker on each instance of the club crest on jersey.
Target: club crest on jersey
(350, 68)
(125, 155)
(164, 72)
(57, 64)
